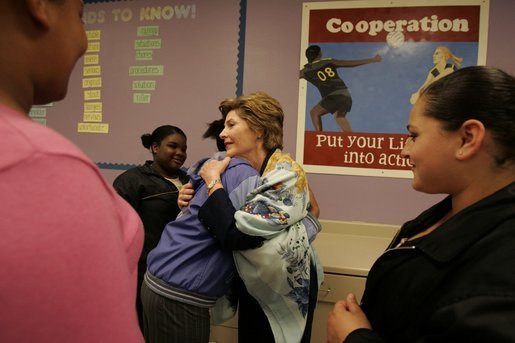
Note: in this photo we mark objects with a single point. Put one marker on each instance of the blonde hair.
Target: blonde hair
(262, 113)
(448, 54)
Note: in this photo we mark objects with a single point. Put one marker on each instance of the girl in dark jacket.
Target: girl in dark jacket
(449, 275)
(152, 189)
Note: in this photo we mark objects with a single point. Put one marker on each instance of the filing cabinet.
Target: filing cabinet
(347, 250)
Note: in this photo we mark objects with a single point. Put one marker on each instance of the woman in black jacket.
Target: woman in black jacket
(152, 189)
(449, 275)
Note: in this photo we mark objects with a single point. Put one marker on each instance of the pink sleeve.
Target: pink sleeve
(68, 252)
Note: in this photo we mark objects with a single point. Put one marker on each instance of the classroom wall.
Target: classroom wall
(271, 64)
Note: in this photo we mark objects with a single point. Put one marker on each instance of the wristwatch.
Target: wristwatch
(212, 184)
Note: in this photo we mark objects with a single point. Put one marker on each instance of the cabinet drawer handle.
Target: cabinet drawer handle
(326, 291)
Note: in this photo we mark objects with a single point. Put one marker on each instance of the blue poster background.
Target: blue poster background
(381, 91)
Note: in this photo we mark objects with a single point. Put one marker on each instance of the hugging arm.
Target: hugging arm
(217, 215)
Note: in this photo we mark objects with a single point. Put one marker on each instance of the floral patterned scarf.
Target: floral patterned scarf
(277, 273)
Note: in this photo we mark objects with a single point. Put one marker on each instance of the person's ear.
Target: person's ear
(472, 134)
(40, 11)
(154, 147)
(260, 134)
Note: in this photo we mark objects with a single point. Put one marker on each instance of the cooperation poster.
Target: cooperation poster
(362, 66)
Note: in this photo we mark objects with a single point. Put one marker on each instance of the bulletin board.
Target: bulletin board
(149, 63)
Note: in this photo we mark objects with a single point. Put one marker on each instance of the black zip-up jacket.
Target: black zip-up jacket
(153, 197)
(456, 284)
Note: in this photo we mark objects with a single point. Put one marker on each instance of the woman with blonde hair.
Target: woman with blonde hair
(280, 275)
(441, 68)
(192, 279)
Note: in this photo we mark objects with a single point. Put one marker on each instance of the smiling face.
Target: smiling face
(240, 140)
(431, 150)
(170, 154)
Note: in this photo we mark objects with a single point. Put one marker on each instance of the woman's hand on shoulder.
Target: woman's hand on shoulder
(212, 169)
(185, 195)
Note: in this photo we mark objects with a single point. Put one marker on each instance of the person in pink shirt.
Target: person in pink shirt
(69, 245)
